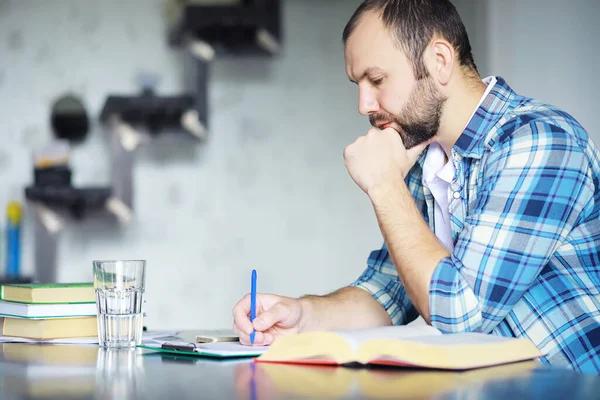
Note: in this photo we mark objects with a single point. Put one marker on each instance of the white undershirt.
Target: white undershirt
(437, 176)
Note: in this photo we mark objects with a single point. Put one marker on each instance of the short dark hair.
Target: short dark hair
(413, 23)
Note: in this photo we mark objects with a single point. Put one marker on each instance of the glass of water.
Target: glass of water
(119, 287)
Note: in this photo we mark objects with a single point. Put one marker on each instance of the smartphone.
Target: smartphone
(216, 335)
(179, 346)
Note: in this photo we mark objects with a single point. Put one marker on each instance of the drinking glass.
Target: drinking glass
(119, 287)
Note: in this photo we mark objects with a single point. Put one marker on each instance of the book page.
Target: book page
(469, 338)
(357, 337)
(450, 351)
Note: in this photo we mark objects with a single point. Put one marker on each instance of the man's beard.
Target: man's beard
(420, 118)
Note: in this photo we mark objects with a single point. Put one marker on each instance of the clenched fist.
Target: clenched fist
(380, 158)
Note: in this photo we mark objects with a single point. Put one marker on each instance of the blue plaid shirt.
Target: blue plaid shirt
(525, 219)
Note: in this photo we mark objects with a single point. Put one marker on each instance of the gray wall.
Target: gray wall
(268, 190)
(545, 49)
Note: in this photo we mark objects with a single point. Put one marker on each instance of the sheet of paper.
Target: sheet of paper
(229, 348)
(149, 336)
(82, 340)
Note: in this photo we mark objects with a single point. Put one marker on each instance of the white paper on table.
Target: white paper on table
(148, 336)
(229, 349)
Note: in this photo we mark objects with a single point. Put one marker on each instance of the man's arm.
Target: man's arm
(414, 249)
(379, 163)
(346, 308)
(533, 191)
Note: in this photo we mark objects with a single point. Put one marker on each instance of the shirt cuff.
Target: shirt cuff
(389, 293)
(453, 306)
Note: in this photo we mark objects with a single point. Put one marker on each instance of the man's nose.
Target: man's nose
(367, 102)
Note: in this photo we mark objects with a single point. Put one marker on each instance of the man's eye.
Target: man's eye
(377, 81)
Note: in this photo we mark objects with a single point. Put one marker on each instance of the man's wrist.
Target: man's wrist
(384, 192)
(306, 306)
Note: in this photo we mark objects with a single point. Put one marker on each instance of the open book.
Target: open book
(415, 346)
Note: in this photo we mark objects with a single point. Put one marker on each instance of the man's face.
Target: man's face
(387, 89)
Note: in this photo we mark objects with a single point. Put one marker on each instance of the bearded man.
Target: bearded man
(488, 201)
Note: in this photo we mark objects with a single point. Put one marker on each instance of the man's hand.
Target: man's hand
(347, 308)
(378, 162)
(275, 316)
(380, 158)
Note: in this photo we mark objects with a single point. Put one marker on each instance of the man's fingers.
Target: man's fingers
(240, 315)
(259, 339)
(418, 149)
(237, 330)
(414, 152)
(270, 317)
(268, 339)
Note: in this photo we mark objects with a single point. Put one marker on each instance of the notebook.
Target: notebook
(214, 349)
(420, 346)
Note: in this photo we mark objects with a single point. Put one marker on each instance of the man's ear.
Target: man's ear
(441, 60)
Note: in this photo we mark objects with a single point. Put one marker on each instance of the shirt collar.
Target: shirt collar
(474, 138)
(433, 163)
(472, 141)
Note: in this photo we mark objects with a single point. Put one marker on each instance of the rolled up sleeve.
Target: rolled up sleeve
(381, 280)
(533, 189)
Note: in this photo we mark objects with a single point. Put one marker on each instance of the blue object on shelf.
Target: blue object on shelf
(13, 239)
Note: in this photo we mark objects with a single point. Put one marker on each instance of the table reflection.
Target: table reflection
(511, 381)
(284, 380)
(48, 371)
(119, 374)
(88, 372)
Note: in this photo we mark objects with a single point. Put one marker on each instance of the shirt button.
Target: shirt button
(456, 195)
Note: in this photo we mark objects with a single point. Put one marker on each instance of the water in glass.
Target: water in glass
(119, 287)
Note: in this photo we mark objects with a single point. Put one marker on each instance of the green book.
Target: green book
(49, 293)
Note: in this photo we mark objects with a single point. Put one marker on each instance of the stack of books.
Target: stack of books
(48, 311)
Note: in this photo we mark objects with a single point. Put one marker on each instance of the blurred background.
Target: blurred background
(257, 179)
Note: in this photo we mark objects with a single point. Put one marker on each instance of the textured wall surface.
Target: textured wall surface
(544, 49)
(268, 190)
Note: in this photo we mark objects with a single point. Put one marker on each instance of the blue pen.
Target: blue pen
(252, 303)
